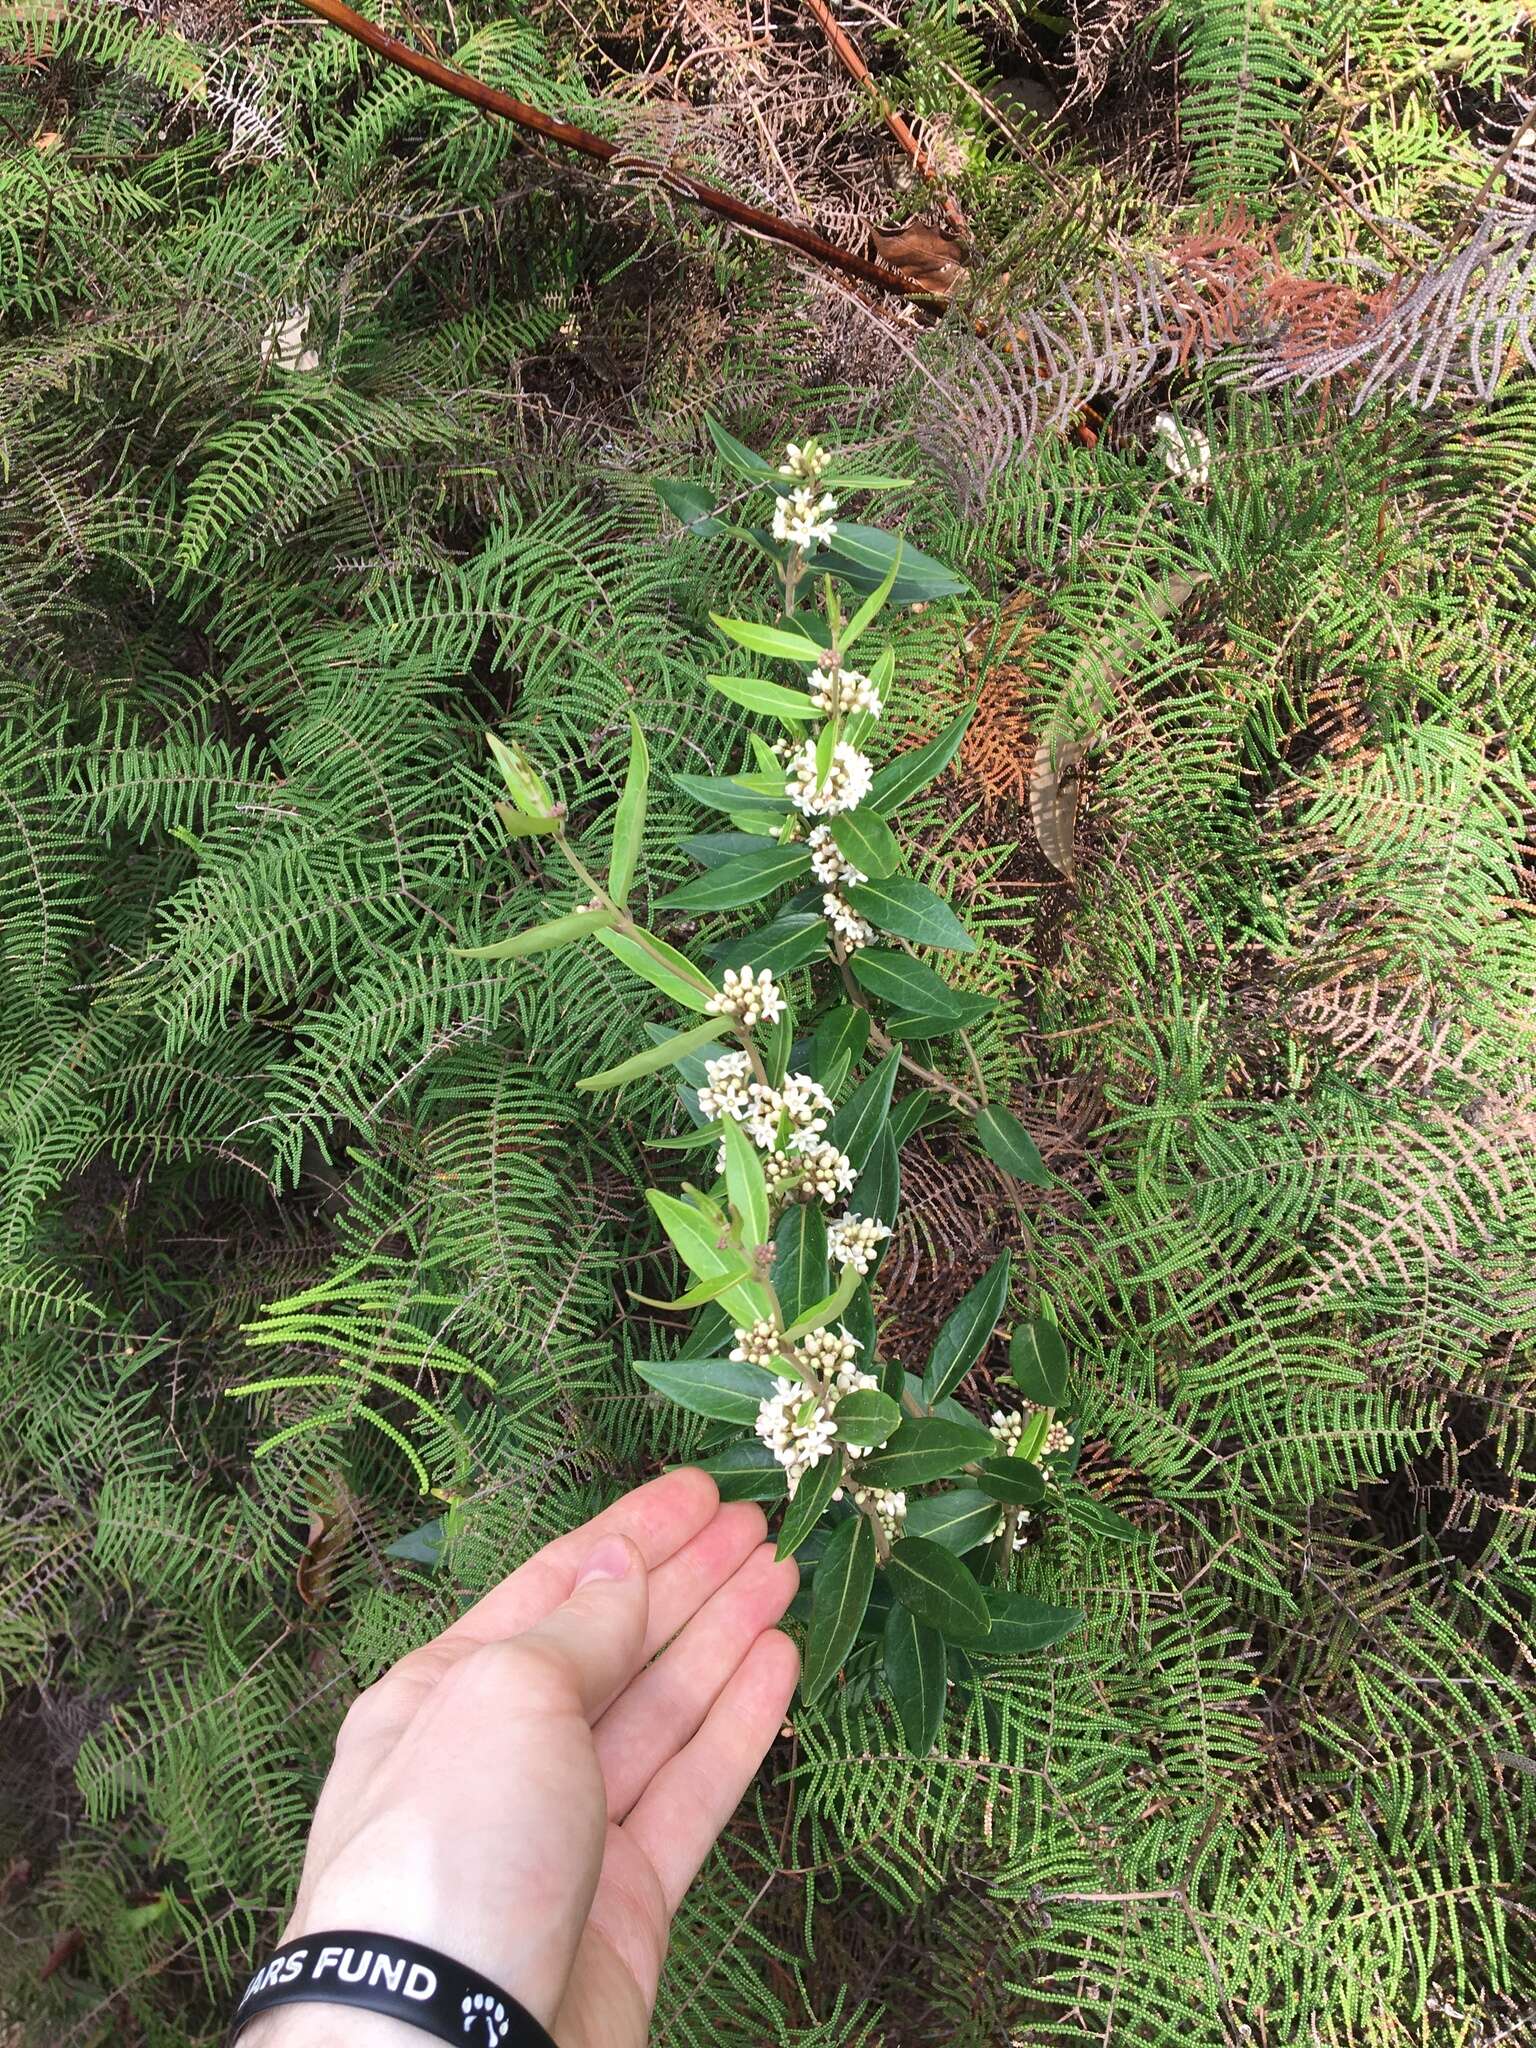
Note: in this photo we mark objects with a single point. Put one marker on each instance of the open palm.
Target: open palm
(533, 1792)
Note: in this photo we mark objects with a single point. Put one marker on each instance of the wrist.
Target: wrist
(327, 2026)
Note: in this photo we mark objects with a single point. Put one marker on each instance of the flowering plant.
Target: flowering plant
(904, 1505)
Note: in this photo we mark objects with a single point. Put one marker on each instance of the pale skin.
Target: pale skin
(533, 1792)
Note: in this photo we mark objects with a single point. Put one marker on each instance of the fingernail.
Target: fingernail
(610, 1560)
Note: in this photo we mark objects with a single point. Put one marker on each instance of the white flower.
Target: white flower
(849, 776)
(757, 1346)
(827, 863)
(1020, 1535)
(830, 1355)
(807, 1103)
(853, 1240)
(890, 1508)
(750, 999)
(1009, 1430)
(809, 462)
(801, 517)
(283, 343)
(1058, 1438)
(1186, 450)
(727, 1089)
(853, 930)
(797, 1427)
(843, 691)
(809, 1171)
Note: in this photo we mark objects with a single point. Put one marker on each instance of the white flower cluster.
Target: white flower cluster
(1008, 1428)
(853, 1240)
(828, 864)
(890, 1508)
(797, 1422)
(853, 930)
(1018, 1516)
(808, 464)
(810, 1172)
(1186, 450)
(840, 692)
(803, 517)
(1058, 1438)
(750, 999)
(848, 779)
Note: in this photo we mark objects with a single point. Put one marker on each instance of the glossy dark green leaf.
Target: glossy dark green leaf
(693, 504)
(779, 643)
(959, 1519)
(966, 1331)
(853, 1128)
(914, 1113)
(868, 842)
(906, 984)
(877, 1192)
(735, 793)
(420, 1546)
(867, 1416)
(932, 1583)
(1099, 1518)
(1037, 1358)
(925, 1447)
(745, 1184)
(1015, 1481)
(770, 700)
(710, 849)
(1020, 1624)
(812, 1497)
(859, 1322)
(747, 878)
(1006, 1142)
(746, 1471)
(960, 1015)
(718, 1387)
(741, 460)
(916, 768)
(800, 1258)
(862, 555)
(844, 1576)
(840, 1032)
(793, 940)
(909, 910)
(916, 1671)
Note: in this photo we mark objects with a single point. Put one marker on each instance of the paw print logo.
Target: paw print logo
(489, 2012)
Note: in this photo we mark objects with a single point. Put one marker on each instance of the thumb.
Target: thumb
(596, 1639)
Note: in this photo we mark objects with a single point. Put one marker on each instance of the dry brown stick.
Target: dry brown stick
(847, 54)
(492, 100)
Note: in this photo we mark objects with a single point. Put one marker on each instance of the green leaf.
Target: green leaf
(794, 939)
(854, 1128)
(867, 841)
(712, 849)
(844, 1576)
(1020, 1625)
(1008, 1145)
(746, 878)
(420, 1546)
(966, 1331)
(526, 787)
(916, 768)
(733, 793)
(812, 1496)
(861, 555)
(867, 1416)
(959, 1519)
(1099, 1518)
(829, 1308)
(904, 983)
(913, 1113)
(840, 1032)
(869, 610)
(629, 819)
(925, 1447)
(542, 938)
(690, 503)
(655, 1057)
(515, 823)
(695, 1239)
(910, 911)
(772, 700)
(1037, 1358)
(706, 1290)
(877, 1192)
(781, 643)
(1014, 1481)
(933, 1584)
(915, 1674)
(662, 966)
(800, 1258)
(722, 1388)
(746, 1471)
(738, 458)
(744, 1183)
(965, 1011)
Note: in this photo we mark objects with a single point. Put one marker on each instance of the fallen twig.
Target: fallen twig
(493, 101)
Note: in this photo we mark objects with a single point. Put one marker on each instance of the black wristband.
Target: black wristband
(381, 1973)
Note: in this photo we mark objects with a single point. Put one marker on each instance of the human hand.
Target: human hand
(533, 1792)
